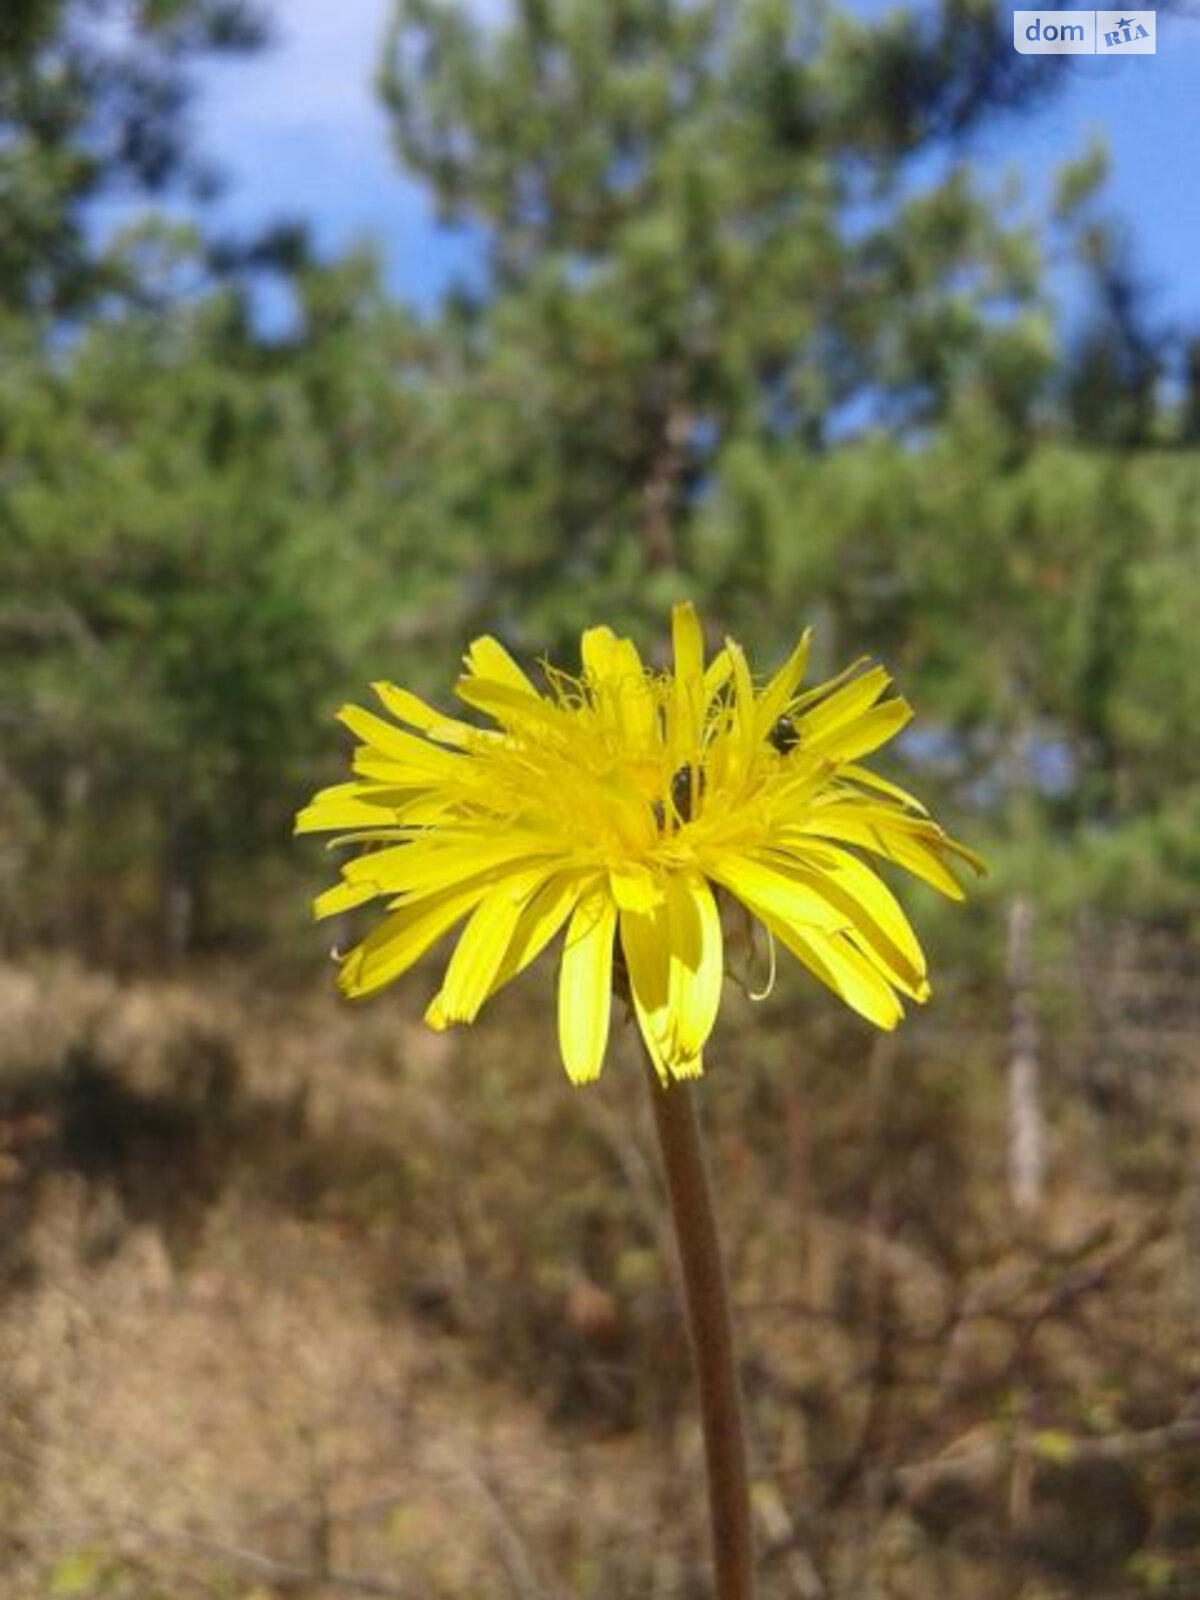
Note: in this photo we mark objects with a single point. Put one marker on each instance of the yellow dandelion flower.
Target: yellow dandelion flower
(614, 806)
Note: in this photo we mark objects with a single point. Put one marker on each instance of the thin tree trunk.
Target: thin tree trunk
(660, 493)
(1026, 1128)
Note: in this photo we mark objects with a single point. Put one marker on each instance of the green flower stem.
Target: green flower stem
(707, 1297)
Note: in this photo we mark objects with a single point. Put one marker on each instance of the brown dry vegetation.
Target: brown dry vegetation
(302, 1301)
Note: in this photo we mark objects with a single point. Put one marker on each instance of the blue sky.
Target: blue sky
(298, 132)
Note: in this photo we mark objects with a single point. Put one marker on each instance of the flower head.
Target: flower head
(614, 807)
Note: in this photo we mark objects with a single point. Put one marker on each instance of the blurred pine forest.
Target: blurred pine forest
(758, 327)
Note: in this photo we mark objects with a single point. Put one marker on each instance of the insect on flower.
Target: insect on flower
(784, 736)
(610, 808)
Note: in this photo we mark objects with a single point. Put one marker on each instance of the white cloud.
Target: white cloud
(299, 132)
(320, 68)
(316, 74)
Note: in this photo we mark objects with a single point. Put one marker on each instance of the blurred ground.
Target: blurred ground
(300, 1300)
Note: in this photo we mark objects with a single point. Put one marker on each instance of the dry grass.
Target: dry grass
(305, 1301)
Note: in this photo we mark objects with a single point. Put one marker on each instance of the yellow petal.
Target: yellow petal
(597, 648)
(743, 684)
(821, 693)
(916, 845)
(742, 749)
(778, 694)
(392, 774)
(916, 857)
(441, 858)
(814, 931)
(696, 968)
(512, 707)
(872, 780)
(716, 676)
(845, 970)
(859, 895)
(369, 836)
(862, 734)
(413, 809)
(670, 955)
(483, 945)
(615, 670)
(410, 708)
(688, 695)
(646, 946)
(341, 806)
(634, 887)
(687, 638)
(488, 659)
(638, 707)
(410, 753)
(540, 919)
(343, 897)
(402, 938)
(662, 1072)
(771, 893)
(585, 986)
(872, 895)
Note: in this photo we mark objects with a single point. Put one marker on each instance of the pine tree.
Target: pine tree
(706, 253)
(93, 104)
